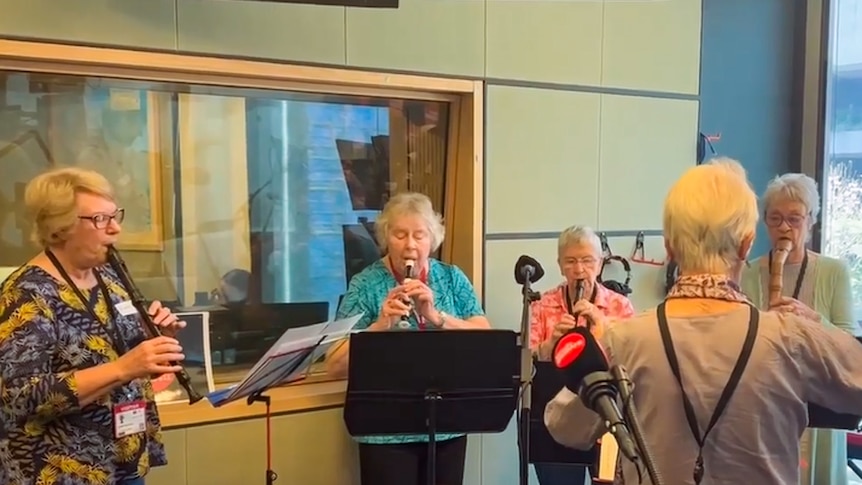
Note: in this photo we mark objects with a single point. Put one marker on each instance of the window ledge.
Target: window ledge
(301, 397)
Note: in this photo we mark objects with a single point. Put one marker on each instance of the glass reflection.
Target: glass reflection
(257, 206)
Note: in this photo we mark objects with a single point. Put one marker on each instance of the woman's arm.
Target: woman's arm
(841, 309)
(470, 313)
(355, 302)
(454, 323)
(337, 357)
(570, 423)
(28, 386)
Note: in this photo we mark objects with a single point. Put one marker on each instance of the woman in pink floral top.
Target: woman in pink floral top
(580, 258)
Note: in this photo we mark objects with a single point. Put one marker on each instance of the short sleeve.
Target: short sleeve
(30, 390)
(537, 325)
(358, 300)
(464, 296)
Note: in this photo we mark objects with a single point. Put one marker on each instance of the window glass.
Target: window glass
(842, 226)
(257, 206)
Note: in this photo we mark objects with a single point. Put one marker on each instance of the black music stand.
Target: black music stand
(822, 417)
(547, 382)
(439, 381)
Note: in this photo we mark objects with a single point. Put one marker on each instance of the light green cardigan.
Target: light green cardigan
(833, 300)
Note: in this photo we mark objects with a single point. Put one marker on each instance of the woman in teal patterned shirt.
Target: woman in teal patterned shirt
(408, 229)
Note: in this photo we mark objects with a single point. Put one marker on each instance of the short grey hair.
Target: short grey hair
(708, 213)
(796, 187)
(409, 204)
(576, 235)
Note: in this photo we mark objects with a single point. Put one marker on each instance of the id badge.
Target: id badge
(130, 418)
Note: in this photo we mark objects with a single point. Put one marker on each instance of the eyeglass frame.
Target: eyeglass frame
(585, 261)
(782, 219)
(119, 216)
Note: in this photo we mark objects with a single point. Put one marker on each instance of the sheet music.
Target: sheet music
(608, 452)
(281, 363)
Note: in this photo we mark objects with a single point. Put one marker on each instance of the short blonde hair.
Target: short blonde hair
(575, 235)
(409, 204)
(50, 201)
(708, 213)
(796, 187)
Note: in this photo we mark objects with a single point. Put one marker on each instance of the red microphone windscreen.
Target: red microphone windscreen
(568, 349)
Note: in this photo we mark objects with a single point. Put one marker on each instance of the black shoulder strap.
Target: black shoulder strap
(729, 388)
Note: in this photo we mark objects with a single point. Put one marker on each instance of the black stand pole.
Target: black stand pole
(271, 476)
(431, 397)
(529, 296)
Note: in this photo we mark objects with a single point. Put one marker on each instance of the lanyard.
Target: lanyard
(799, 278)
(117, 340)
(570, 304)
(399, 278)
(726, 394)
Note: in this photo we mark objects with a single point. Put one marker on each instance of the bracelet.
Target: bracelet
(441, 319)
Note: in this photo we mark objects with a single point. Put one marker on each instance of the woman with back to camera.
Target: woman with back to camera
(76, 404)
(408, 230)
(579, 255)
(703, 330)
(814, 286)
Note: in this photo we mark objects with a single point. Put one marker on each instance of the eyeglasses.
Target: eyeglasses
(775, 220)
(588, 261)
(102, 221)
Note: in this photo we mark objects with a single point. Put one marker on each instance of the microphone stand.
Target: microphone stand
(529, 296)
(626, 388)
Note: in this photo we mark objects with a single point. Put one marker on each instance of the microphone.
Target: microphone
(404, 323)
(528, 269)
(585, 372)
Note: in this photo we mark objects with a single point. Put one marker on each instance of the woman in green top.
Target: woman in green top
(814, 286)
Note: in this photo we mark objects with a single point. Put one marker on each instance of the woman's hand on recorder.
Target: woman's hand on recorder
(393, 309)
(796, 307)
(150, 357)
(566, 324)
(167, 322)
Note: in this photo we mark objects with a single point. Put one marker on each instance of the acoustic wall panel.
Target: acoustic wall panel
(554, 42)
(541, 159)
(434, 36)
(303, 33)
(652, 45)
(646, 144)
(128, 23)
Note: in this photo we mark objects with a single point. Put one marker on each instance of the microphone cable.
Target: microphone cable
(627, 388)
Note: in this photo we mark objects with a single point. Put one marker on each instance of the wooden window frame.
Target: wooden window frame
(463, 199)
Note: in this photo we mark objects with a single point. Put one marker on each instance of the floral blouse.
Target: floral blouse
(46, 334)
(546, 313)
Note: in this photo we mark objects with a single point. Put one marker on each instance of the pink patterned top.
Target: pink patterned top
(549, 310)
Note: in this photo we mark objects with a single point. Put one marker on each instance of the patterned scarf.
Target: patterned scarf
(715, 287)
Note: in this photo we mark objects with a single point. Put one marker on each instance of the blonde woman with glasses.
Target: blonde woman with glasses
(815, 287)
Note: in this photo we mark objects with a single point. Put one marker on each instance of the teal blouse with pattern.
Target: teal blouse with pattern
(453, 294)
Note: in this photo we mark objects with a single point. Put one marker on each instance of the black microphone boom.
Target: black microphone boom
(585, 372)
(528, 269)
